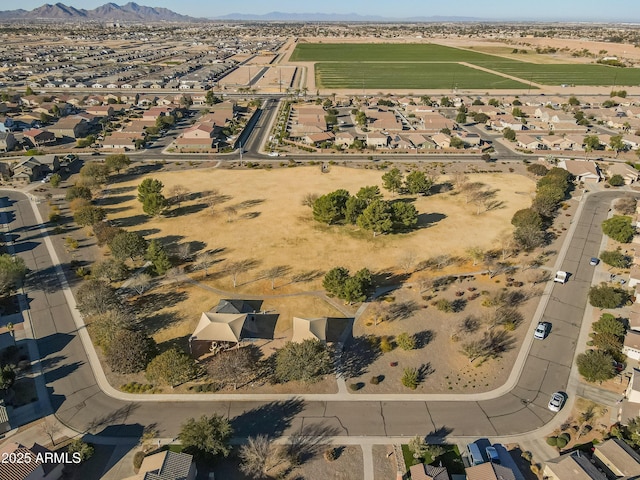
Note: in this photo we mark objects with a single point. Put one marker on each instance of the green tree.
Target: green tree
(573, 101)
(111, 269)
(211, 99)
(527, 216)
(207, 437)
(117, 162)
(89, 215)
(331, 208)
(154, 204)
(172, 368)
(128, 245)
(457, 142)
(361, 118)
(376, 217)
(105, 233)
(591, 143)
(528, 237)
(480, 117)
(615, 258)
(608, 323)
(509, 134)
(77, 446)
(461, 117)
(616, 180)
(148, 187)
(7, 377)
(392, 180)
(28, 91)
(130, 351)
(356, 288)
(404, 214)
(619, 228)
(78, 191)
(95, 297)
(595, 366)
(304, 361)
(369, 193)
(105, 326)
(605, 296)
(157, 255)
(334, 281)
(616, 144)
(418, 183)
(94, 173)
(354, 208)
(12, 272)
(55, 180)
(607, 342)
(537, 169)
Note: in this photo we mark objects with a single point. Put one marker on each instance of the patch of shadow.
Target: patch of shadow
(401, 310)
(121, 190)
(427, 219)
(359, 353)
(250, 215)
(114, 199)
(186, 210)
(249, 203)
(111, 211)
(131, 221)
(271, 419)
(307, 276)
(423, 338)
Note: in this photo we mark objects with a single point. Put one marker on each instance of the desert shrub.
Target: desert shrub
(386, 344)
(406, 341)
(552, 441)
(411, 378)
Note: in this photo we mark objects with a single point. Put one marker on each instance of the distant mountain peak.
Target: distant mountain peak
(107, 12)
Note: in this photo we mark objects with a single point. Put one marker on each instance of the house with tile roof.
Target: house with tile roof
(32, 470)
(166, 465)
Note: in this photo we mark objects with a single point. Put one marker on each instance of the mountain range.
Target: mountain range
(131, 12)
(336, 17)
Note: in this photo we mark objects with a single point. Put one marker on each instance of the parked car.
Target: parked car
(594, 261)
(541, 331)
(561, 277)
(556, 402)
(492, 455)
(618, 367)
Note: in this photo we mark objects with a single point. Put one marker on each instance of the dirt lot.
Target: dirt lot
(271, 227)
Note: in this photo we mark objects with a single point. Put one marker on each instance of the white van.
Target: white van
(474, 454)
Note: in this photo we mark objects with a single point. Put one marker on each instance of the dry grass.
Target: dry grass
(278, 230)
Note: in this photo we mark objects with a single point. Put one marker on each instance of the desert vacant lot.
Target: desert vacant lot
(273, 228)
(410, 57)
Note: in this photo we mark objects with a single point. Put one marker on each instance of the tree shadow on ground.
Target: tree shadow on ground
(401, 310)
(309, 441)
(423, 338)
(121, 190)
(249, 203)
(132, 221)
(358, 355)
(306, 276)
(150, 303)
(426, 220)
(186, 210)
(179, 343)
(113, 423)
(271, 419)
(114, 199)
(112, 210)
(388, 278)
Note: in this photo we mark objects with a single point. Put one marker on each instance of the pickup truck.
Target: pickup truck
(561, 277)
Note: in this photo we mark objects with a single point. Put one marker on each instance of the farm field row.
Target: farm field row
(407, 69)
(408, 75)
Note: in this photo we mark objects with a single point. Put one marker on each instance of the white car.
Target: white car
(556, 402)
(541, 331)
(561, 277)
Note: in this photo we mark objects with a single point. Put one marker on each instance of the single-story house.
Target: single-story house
(572, 466)
(617, 458)
(631, 345)
(528, 142)
(489, 471)
(71, 127)
(344, 138)
(428, 472)
(627, 172)
(318, 138)
(194, 144)
(442, 140)
(7, 141)
(37, 137)
(32, 470)
(166, 465)
(583, 171)
(379, 140)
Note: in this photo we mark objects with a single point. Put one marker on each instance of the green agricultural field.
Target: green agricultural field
(423, 66)
(408, 75)
(571, 74)
(384, 52)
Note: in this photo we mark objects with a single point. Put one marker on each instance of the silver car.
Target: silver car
(556, 402)
(541, 331)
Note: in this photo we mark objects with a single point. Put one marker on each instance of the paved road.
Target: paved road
(81, 404)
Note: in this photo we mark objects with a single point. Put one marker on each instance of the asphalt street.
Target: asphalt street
(78, 401)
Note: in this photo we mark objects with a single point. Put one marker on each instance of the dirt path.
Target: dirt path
(511, 77)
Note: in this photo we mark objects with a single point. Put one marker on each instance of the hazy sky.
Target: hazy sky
(624, 10)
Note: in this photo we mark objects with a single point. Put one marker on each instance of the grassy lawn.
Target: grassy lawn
(408, 75)
(451, 459)
(412, 69)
